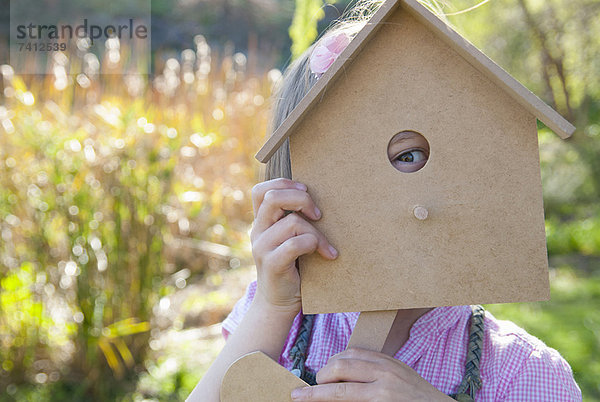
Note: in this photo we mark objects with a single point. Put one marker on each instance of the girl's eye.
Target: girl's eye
(411, 156)
(408, 151)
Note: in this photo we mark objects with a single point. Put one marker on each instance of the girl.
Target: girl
(430, 354)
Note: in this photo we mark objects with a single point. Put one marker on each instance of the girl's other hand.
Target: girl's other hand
(279, 238)
(363, 375)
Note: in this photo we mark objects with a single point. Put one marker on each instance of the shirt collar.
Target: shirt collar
(437, 319)
(428, 327)
(424, 330)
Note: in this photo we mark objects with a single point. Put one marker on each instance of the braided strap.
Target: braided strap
(299, 351)
(471, 381)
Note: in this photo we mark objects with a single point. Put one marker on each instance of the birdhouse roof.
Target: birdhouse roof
(469, 52)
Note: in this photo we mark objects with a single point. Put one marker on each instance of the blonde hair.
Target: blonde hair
(297, 79)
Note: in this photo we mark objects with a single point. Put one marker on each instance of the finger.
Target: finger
(345, 391)
(291, 226)
(260, 189)
(276, 202)
(349, 370)
(285, 255)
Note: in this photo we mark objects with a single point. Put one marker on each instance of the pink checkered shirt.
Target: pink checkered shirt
(515, 366)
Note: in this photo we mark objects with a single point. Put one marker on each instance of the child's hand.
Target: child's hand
(362, 375)
(279, 239)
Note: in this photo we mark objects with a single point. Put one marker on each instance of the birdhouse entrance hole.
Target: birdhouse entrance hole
(408, 151)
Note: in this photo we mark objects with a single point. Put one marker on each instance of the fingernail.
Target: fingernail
(301, 186)
(333, 251)
(317, 212)
(297, 393)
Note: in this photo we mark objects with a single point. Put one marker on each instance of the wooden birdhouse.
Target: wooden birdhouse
(461, 221)
(467, 226)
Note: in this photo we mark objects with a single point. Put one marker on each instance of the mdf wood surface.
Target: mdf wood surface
(484, 239)
(372, 329)
(257, 378)
(550, 117)
(313, 96)
(469, 52)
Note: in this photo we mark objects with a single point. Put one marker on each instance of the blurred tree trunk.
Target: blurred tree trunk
(552, 52)
(552, 56)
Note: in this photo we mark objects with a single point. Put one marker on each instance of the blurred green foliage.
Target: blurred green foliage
(106, 182)
(570, 323)
(303, 30)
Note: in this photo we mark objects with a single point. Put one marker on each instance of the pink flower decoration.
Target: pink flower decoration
(325, 53)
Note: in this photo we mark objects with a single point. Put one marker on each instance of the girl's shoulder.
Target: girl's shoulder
(505, 341)
(519, 365)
